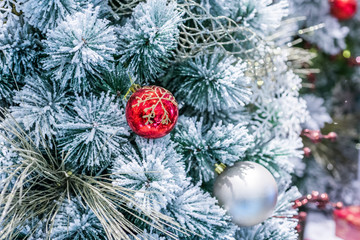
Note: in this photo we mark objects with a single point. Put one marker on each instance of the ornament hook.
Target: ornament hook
(133, 88)
(219, 168)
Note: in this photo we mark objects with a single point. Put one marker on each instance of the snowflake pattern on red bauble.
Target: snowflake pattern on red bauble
(152, 112)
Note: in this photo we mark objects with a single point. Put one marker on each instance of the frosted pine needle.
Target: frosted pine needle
(37, 187)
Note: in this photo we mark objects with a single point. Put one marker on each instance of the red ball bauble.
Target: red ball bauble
(343, 9)
(152, 112)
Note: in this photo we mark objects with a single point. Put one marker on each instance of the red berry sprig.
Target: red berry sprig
(321, 201)
(316, 136)
(307, 151)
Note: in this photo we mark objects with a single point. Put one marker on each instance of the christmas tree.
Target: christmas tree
(332, 96)
(116, 115)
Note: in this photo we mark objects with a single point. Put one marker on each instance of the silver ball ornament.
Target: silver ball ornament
(247, 191)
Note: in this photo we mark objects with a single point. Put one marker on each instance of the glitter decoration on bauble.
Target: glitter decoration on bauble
(151, 111)
(343, 9)
(247, 191)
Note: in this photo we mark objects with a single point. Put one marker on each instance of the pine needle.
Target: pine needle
(38, 186)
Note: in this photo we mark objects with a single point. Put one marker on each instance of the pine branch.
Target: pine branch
(42, 183)
(80, 47)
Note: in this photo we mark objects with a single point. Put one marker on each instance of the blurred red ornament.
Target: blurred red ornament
(152, 112)
(343, 9)
(347, 222)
